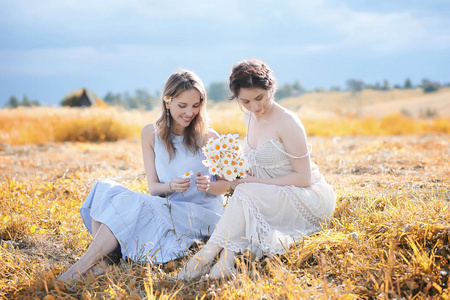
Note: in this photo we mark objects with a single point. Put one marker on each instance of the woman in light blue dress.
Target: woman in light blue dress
(184, 202)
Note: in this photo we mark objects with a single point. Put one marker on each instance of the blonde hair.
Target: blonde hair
(194, 136)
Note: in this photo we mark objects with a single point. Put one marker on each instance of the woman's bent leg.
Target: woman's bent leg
(104, 242)
(95, 225)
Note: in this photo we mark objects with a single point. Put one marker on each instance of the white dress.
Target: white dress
(152, 228)
(270, 218)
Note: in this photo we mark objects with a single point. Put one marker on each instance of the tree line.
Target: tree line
(428, 86)
(218, 91)
(14, 102)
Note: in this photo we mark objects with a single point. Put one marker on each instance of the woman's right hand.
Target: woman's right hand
(180, 185)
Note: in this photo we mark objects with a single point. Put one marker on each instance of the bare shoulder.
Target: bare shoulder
(148, 129)
(289, 119)
(290, 124)
(148, 134)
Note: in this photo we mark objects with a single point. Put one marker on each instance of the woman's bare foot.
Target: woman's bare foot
(74, 272)
(224, 268)
(100, 267)
(200, 264)
(195, 268)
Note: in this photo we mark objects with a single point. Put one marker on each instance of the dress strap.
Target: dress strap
(290, 155)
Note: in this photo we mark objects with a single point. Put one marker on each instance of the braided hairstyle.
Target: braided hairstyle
(251, 73)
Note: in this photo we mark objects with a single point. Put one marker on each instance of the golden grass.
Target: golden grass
(389, 237)
(42, 125)
(45, 124)
(372, 103)
(395, 124)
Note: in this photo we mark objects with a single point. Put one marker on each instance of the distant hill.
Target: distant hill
(414, 103)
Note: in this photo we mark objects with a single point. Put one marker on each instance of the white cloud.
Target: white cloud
(391, 32)
(126, 59)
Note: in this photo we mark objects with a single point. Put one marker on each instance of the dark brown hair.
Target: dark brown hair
(251, 73)
(195, 134)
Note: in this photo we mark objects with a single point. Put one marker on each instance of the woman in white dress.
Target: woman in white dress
(284, 197)
(161, 226)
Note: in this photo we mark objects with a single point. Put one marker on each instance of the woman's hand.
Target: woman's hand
(202, 182)
(180, 185)
(236, 182)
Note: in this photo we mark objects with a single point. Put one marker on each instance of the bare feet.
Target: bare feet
(200, 264)
(195, 268)
(224, 268)
(74, 272)
(104, 243)
(77, 270)
(100, 267)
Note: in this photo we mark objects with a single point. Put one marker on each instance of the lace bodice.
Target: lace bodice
(270, 160)
(267, 155)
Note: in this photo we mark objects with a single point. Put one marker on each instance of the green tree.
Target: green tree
(298, 88)
(146, 99)
(284, 91)
(70, 100)
(290, 90)
(429, 86)
(114, 99)
(386, 85)
(335, 89)
(408, 84)
(13, 102)
(25, 101)
(109, 98)
(218, 91)
(355, 85)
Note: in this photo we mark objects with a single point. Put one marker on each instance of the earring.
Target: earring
(168, 118)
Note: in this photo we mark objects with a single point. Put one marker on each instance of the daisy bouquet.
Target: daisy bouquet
(224, 157)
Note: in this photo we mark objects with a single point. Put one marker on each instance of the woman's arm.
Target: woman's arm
(218, 187)
(155, 187)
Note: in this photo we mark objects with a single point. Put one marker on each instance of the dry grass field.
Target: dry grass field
(389, 238)
(371, 103)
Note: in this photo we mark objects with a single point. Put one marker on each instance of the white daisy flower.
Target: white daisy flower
(187, 175)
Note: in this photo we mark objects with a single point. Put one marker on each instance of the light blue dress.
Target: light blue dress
(152, 228)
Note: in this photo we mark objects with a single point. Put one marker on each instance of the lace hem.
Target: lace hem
(224, 243)
(301, 208)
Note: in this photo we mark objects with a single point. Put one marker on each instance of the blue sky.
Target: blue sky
(49, 48)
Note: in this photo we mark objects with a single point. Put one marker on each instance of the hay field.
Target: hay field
(372, 103)
(389, 238)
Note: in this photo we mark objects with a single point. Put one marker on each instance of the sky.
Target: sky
(50, 48)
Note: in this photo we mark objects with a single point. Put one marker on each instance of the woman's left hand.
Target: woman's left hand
(202, 182)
